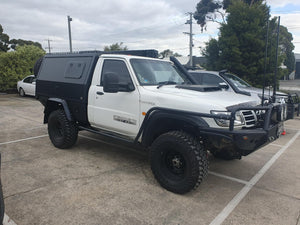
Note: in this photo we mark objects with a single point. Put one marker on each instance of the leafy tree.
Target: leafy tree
(4, 41)
(287, 47)
(207, 10)
(167, 53)
(20, 42)
(240, 47)
(211, 53)
(115, 47)
(15, 65)
(242, 40)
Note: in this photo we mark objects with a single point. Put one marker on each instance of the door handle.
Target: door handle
(99, 93)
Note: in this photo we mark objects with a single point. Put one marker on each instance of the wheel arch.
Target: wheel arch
(53, 104)
(161, 122)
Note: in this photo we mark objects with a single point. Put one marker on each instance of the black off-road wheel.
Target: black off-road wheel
(62, 132)
(178, 161)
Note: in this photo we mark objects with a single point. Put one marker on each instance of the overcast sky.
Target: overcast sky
(139, 24)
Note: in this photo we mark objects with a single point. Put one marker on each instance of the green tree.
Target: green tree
(167, 53)
(115, 47)
(286, 48)
(20, 42)
(242, 40)
(211, 53)
(207, 10)
(4, 41)
(240, 47)
(15, 65)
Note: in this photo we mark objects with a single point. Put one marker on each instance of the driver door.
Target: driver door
(117, 112)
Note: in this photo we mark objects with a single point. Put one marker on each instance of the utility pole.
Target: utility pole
(69, 27)
(190, 22)
(49, 48)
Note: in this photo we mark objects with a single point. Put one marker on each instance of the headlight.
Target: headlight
(238, 121)
(266, 99)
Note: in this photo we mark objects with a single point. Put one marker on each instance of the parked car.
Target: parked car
(151, 104)
(26, 86)
(232, 83)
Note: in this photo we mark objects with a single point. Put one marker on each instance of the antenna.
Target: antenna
(265, 69)
(276, 66)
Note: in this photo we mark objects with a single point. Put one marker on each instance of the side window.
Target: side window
(74, 69)
(197, 77)
(28, 80)
(211, 79)
(118, 67)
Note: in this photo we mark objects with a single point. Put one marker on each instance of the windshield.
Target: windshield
(154, 72)
(238, 82)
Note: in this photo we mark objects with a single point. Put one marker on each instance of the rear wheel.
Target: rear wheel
(178, 161)
(62, 132)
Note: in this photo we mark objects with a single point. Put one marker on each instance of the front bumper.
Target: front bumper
(243, 141)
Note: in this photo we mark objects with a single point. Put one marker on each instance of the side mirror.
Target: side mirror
(110, 82)
(223, 85)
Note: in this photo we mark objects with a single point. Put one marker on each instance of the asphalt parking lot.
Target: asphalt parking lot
(99, 183)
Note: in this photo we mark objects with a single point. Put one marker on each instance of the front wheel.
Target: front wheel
(62, 132)
(178, 161)
(21, 92)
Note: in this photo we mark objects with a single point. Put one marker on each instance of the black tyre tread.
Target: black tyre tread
(199, 162)
(70, 130)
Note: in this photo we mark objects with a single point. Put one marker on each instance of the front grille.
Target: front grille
(250, 117)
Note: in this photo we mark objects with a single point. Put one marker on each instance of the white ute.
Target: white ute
(153, 105)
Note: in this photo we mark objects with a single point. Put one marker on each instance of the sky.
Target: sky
(147, 24)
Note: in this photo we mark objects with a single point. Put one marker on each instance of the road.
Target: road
(96, 182)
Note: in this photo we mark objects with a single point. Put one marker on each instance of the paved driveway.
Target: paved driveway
(100, 183)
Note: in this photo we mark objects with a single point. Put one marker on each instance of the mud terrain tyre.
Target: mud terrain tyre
(62, 132)
(178, 161)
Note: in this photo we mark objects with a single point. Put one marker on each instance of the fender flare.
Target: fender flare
(58, 102)
(157, 114)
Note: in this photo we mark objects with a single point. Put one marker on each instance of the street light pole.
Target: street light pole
(69, 27)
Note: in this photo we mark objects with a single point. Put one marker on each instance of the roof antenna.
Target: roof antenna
(276, 67)
(265, 69)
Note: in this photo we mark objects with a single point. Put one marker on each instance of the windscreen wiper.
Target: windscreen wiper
(160, 84)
